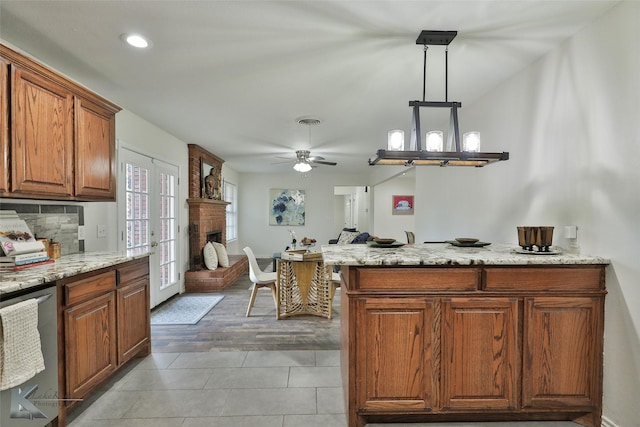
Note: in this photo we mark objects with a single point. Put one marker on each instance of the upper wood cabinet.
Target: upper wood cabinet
(59, 142)
(95, 151)
(41, 136)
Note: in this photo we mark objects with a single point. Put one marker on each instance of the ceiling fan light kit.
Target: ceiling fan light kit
(304, 161)
(466, 154)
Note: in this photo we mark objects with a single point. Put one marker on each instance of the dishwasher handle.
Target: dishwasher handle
(43, 298)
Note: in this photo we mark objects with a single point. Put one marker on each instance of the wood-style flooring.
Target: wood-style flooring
(225, 327)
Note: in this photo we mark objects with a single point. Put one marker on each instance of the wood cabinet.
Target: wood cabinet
(90, 337)
(134, 331)
(561, 354)
(103, 322)
(95, 151)
(472, 343)
(480, 364)
(42, 136)
(396, 345)
(60, 138)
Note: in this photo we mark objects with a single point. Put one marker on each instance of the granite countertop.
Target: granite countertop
(446, 254)
(68, 265)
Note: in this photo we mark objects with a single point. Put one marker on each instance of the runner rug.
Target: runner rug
(184, 309)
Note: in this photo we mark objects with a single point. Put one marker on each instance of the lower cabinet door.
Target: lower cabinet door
(395, 349)
(480, 364)
(90, 338)
(133, 319)
(562, 354)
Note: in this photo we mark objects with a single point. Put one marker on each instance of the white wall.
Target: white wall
(385, 224)
(254, 204)
(570, 123)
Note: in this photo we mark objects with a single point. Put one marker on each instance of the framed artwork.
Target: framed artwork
(286, 207)
(402, 205)
(210, 177)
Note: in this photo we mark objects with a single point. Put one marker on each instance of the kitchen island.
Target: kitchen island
(433, 332)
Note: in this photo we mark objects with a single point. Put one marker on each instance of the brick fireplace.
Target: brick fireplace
(206, 215)
(207, 221)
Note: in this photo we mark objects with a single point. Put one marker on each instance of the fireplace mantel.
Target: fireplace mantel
(207, 201)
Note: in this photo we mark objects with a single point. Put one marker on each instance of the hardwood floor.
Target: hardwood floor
(225, 327)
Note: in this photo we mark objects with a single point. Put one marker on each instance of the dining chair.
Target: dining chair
(260, 279)
(411, 238)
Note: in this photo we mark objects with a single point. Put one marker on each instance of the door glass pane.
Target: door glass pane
(167, 230)
(137, 209)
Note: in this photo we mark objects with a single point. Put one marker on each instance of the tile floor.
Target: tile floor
(297, 388)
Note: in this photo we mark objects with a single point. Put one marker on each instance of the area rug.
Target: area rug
(184, 309)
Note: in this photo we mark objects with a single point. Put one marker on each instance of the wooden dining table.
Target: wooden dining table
(304, 287)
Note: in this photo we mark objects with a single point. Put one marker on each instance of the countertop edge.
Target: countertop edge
(66, 266)
(448, 255)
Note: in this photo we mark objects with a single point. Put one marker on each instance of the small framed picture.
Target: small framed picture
(402, 205)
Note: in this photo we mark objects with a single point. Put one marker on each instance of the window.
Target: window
(230, 191)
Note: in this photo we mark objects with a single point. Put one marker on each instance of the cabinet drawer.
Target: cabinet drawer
(132, 270)
(545, 278)
(428, 279)
(88, 287)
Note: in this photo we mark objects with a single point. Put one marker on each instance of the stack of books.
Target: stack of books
(19, 245)
(301, 255)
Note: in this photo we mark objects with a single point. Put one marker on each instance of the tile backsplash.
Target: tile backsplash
(57, 222)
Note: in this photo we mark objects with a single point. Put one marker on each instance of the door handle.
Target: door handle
(154, 244)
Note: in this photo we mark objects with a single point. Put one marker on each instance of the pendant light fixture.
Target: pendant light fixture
(466, 154)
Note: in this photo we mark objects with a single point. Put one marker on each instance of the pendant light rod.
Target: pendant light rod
(446, 74)
(424, 73)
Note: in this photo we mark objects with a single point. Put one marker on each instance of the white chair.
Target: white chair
(335, 283)
(260, 279)
(411, 238)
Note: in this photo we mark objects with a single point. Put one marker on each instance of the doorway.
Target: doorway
(148, 218)
(352, 207)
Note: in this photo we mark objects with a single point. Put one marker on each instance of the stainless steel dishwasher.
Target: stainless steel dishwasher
(35, 402)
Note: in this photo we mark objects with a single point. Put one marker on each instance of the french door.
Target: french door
(148, 219)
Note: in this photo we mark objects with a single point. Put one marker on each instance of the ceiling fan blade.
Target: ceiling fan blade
(322, 162)
(314, 158)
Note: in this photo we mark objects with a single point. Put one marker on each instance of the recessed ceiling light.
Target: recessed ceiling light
(135, 40)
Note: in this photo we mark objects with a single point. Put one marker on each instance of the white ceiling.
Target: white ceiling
(233, 76)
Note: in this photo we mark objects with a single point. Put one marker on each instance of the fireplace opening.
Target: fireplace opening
(214, 236)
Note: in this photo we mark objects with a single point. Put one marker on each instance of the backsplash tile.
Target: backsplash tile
(57, 222)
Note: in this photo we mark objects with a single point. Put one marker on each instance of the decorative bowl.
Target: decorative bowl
(467, 240)
(383, 241)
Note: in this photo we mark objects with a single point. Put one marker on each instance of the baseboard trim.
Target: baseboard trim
(606, 422)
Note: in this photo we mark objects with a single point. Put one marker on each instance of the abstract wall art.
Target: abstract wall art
(287, 207)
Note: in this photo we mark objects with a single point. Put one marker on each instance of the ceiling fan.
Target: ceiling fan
(304, 162)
